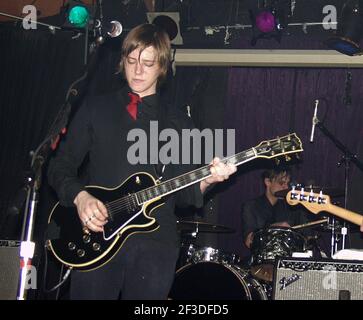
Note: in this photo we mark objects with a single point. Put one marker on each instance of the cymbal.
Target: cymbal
(196, 226)
(332, 192)
(263, 272)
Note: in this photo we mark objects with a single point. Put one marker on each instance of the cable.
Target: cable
(65, 277)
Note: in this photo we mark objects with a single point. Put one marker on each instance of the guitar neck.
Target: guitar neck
(345, 214)
(190, 178)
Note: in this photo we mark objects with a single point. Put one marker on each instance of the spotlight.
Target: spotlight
(77, 14)
(169, 21)
(350, 29)
(268, 23)
(265, 21)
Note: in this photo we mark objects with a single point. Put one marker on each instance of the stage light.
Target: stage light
(350, 29)
(265, 21)
(77, 14)
(169, 21)
(268, 23)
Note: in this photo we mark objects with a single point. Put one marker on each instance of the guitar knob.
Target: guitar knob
(96, 246)
(86, 238)
(47, 244)
(80, 253)
(71, 246)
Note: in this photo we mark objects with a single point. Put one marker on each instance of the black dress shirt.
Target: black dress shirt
(99, 132)
(259, 213)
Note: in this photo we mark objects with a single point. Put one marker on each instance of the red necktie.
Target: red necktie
(55, 142)
(132, 106)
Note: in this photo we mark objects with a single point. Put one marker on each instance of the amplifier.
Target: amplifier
(307, 279)
(9, 269)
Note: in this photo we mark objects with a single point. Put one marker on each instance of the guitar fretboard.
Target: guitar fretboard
(189, 178)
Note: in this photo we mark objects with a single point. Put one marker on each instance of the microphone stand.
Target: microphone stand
(347, 158)
(33, 183)
(49, 26)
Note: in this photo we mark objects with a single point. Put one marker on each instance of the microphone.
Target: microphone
(314, 121)
(188, 111)
(111, 29)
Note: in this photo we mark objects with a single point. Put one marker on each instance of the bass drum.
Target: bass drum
(215, 281)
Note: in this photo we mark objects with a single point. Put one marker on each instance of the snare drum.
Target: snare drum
(208, 254)
(195, 254)
(215, 281)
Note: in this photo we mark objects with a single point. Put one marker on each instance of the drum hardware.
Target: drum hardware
(192, 253)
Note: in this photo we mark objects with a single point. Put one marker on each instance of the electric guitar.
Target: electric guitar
(317, 202)
(130, 206)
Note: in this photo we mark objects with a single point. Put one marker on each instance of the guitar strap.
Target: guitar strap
(162, 119)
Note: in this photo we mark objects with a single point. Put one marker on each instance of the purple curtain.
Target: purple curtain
(267, 102)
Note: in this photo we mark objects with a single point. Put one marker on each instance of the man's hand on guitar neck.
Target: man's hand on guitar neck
(91, 211)
(219, 171)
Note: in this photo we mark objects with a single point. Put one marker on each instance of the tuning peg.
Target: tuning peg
(287, 158)
(311, 196)
(321, 199)
(297, 156)
(277, 161)
(293, 193)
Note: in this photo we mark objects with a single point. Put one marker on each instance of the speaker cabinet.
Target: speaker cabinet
(9, 269)
(306, 279)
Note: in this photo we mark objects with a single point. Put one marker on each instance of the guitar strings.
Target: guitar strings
(129, 201)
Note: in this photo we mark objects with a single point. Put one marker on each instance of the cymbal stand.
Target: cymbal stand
(334, 238)
(347, 157)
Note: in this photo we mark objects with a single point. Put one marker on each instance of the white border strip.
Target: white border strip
(266, 58)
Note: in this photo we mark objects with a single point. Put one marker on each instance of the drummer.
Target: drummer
(268, 210)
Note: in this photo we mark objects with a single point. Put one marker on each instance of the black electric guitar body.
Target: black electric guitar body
(77, 247)
(130, 207)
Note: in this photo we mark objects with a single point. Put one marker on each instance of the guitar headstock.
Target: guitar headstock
(314, 202)
(285, 145)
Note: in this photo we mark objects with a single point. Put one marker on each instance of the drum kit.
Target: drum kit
(206, 273)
